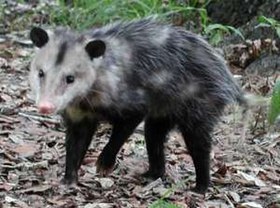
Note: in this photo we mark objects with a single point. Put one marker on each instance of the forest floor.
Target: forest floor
(245, 160)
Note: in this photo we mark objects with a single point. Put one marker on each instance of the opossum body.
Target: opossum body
(125, 73)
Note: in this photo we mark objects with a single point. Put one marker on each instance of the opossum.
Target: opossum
(127, 72)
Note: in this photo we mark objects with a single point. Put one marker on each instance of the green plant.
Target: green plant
(216, 32)
(274, 108)
(87, 13)
(1, 16)
(163, 204)
(269, 22)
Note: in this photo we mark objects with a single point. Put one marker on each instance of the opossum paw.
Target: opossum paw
(69, 180)
(104, 165)
(200, 189)
(154, 174)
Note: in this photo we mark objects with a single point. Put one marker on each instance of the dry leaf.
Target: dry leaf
(251, 205)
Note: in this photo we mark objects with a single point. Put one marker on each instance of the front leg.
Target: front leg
(78, 138)
(122, 129)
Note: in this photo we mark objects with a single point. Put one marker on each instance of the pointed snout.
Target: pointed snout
(46, 107)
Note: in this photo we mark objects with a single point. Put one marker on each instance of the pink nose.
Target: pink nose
(46, 107)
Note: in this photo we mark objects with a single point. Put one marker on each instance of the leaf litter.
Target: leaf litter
(245, 160)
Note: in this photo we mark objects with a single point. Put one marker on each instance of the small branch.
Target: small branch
(8, 119)
(40, 118)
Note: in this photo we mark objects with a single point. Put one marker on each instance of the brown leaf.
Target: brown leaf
(6, 186)
(36, 189)
(26, 150)
(222, 170)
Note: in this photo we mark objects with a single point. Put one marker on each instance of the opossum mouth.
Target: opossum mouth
(82, 103)
(60, 112)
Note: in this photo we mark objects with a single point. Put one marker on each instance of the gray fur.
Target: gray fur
(158, 60)
(159, 70)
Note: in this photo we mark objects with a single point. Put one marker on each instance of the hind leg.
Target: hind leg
(155, 134)
(198, 142)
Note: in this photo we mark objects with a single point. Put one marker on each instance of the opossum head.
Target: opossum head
(64, 68)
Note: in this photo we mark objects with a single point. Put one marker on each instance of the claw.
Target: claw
(153, 174)
(104, 166)
(70, 180)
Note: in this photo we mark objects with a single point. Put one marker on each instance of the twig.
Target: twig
(40, 118)
(8, 119)
(152, 185)
(228, 200)
(257, 120)
(27, 165)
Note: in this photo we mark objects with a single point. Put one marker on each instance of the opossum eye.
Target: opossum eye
(70, 79)
(41, 74)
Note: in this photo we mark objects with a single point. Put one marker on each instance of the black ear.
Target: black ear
(95, 48)
(39, 37)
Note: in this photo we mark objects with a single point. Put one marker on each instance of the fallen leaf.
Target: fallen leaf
(6, 186)
(161, 191)
(251, 205)
(9, 199)
(235, 196)
(98, 205)
(152, 185)
(106, 183)
(26, 150)
(36, 189)
(251, 178)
